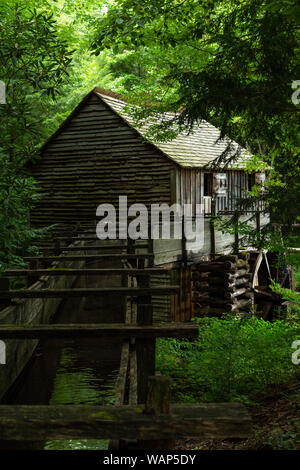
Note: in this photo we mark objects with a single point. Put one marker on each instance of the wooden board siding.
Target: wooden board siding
(188, 188)
(93, 160)
(237, 183)
(161, 304)
(177, 308)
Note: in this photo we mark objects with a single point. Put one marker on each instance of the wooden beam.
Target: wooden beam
(221, 267)
(174, 330)
(212, 229)
(89, 247)
(122, 376)
(72, 272)
(88, 257)
(83, 292)
(60, 422)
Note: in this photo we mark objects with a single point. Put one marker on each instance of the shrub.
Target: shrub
(232, 360)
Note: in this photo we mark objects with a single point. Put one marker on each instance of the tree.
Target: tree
(33, 61)
(244, 61)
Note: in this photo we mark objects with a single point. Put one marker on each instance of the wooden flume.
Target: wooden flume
(148, 416)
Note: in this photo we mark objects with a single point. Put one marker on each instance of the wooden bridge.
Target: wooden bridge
(142, 416)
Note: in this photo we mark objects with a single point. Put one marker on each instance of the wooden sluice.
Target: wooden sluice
(142, 415)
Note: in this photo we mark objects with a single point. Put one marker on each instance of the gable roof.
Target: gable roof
(196, 150)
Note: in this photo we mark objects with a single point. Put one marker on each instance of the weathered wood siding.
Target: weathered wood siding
(188, 188)
(176, 308)
(96, 158)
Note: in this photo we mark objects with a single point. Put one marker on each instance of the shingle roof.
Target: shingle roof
(194, 150)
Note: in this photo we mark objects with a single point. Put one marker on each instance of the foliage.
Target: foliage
(291, 314)
(18, 193)
(231, 63)
(76, 22)
(33, 62)
(277, 439)
(232, 360)
(287, 294)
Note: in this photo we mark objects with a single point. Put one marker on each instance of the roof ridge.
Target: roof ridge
(110, 93)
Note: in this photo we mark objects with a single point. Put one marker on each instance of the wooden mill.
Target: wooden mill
(98, 155)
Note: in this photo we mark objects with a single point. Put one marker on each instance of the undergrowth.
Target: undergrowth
(233, 359)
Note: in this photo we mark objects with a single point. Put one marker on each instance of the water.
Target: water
(71, 371)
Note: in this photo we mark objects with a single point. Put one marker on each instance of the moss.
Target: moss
(102, 415)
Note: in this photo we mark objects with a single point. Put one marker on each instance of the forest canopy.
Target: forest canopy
(232, 63)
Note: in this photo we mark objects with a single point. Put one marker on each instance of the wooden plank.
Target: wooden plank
(61, 422)
(133, 392)
(212, 229)
(72, 272)
(145, 361)
(122, 376)
(88, 257)
(82, 292)
(88, 248)
(174, 330)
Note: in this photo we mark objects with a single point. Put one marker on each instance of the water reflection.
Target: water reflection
(79, 387)
(73, 371)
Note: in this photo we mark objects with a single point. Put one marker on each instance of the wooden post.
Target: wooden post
(236, 235)
(158, 396)
(292, 278)
(183, 245)
(4, 285)
(257, 218)
(32, 279)
(212, 229)
(124, 282)
(145, 348)
(157, 404)
(150, 251)
(131, 250)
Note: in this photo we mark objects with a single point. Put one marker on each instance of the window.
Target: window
(251, 181)
(208, 184)
(221, 186)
